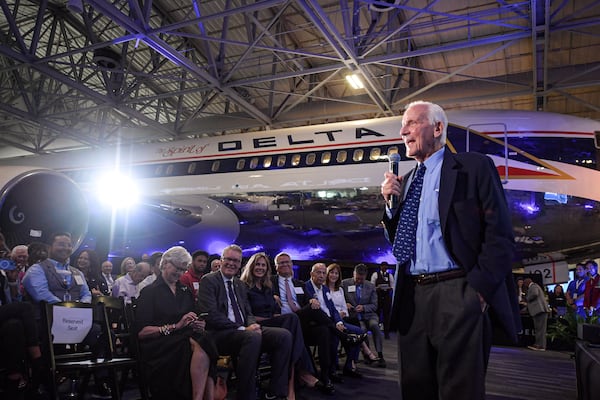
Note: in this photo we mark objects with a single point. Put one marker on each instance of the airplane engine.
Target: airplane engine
(34, 203)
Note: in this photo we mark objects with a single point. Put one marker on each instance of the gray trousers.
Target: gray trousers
(540, 323)
(444, 341)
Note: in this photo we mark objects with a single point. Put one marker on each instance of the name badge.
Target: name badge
(196, 285)
(298, 290)
(352, 289)
(78, 279)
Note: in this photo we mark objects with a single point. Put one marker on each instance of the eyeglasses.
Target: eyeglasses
(181, 270)
(232, 260)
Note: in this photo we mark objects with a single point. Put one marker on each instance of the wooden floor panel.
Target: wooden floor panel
(514, 373)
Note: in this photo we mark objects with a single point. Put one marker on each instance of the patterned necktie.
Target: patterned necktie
(289, 297)
(358, 293)
(234, 304)
(406, 233)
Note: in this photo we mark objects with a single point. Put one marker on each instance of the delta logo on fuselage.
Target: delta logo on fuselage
(238, 147)
(521, 165)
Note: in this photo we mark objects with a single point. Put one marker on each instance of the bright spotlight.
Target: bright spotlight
(117, 190)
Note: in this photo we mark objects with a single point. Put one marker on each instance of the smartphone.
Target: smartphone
(202, 316)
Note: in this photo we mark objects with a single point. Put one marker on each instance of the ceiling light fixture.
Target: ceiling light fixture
(383, 8)
(355, 81)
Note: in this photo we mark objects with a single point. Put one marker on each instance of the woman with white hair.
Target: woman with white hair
(180, 358)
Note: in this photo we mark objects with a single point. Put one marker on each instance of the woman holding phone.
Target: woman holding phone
(180, 357)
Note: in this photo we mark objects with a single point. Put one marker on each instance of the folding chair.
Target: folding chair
(70, 350)
(134, 350)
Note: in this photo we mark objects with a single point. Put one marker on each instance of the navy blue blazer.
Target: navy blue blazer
(477, 230)
(310, 291)
(213, 300)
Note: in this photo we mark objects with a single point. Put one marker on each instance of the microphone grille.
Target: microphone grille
(394, 157)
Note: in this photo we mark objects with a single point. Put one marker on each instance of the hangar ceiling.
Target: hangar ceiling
(89, 73)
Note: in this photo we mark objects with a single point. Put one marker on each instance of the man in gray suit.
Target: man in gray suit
(223, 298)
(538, 309)
(361, 296)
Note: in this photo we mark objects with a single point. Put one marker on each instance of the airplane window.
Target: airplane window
(169, 170)
(240, 164)
(158, 171)
(375, 154)
(342, 155)
(191, 168)
(326, 157)
(358, 155)
(253, 162)
(267, 162)
(311, 158)
(392, 149)
(281, 161)
(295, 160)
(215, 166)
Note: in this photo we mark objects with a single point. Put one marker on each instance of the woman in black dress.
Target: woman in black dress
(180, 358)
(257, 275)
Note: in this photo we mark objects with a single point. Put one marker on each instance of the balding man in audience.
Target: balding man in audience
(154, 261)
(127, 286)
(107, 280)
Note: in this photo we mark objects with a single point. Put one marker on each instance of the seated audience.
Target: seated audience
(38, 251)
(334, 283)
(178, 355)
(127, 265)
(320, 299)
(127, 285)
(88, 264)
(215, 265)
(19, 255)
(317, 327)
(361, 296)
(53, 279)
(154, 261)
(107, 280)
(192, 276)
(229, 320)
(257, 275)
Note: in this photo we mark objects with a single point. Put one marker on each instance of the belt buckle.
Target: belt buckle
(422, 279)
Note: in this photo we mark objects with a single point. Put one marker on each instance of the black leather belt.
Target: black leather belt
(428, 279)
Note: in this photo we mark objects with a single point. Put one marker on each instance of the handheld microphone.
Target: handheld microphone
(394, 161)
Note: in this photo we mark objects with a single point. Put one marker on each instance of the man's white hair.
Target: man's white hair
(435, 114)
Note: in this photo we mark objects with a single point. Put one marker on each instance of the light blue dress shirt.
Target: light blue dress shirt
(430, 251)
(36, 284)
